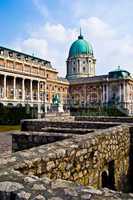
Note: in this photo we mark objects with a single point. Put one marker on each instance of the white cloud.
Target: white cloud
(52, 42)
(41, 7)
(97, 28)
(110, 48)
(55, 33)
(34, 46)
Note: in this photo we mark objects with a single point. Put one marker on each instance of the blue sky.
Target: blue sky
(48, 27)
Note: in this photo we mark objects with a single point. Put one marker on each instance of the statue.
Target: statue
(56, 102)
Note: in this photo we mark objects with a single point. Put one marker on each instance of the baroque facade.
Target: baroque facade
(28, 80)
(87, 89)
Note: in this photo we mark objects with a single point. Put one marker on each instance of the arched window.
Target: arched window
(104, 179)
(108, 177)
(74, 69)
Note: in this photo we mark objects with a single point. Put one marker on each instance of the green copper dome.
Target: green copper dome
(119, 73)
(79, 47)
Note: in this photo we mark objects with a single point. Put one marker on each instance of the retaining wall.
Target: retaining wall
(105, 119)
(39, 125)
(84, 159)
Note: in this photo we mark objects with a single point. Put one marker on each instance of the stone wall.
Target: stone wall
(55, 115)
(34, 188)
(85, 160)
(26, 140)
(104, 119)
(64, 169)
(131, 159)
(39, 125)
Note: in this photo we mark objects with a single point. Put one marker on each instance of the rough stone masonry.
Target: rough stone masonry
(70, 167)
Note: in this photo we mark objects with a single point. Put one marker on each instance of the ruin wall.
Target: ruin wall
(84, 159)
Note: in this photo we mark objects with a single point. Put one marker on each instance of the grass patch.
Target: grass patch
(4, 128)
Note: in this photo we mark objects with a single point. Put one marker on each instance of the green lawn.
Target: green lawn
(4, 128)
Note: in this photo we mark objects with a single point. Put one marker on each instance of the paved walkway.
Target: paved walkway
(5, 144)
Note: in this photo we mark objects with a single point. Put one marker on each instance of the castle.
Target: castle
(28, 80)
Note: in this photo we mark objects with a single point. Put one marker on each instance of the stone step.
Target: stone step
(67, 130)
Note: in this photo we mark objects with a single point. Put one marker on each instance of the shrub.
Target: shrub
(13, 115)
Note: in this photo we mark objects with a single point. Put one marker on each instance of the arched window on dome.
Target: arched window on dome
(83, 69)
(87, 60)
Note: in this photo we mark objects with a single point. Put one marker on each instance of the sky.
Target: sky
(47, 28)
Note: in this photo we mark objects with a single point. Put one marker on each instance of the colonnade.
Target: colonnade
(4, 86)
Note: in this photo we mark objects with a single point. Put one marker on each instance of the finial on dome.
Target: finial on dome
(80, 31)
(118, 67)
(80, 36)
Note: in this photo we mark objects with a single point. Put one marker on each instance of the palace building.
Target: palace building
(28, 80)
(88, 90)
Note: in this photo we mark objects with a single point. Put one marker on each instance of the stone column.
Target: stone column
(38, 91)
(124, 93)
(107, 93)
(23, 89)
(5, 94)
(39, 111)
(31, 90)
(120, 93)
(14, 87)
(128, 96)
(45, 98)
(103, 93)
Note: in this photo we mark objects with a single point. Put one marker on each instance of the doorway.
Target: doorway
(104, 179)
(108, 177)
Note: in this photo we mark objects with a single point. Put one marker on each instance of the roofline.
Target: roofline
(94, 80)
(15, 51)
(52, 69)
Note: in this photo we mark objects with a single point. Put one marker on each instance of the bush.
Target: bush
(13, 115)
(97, 111)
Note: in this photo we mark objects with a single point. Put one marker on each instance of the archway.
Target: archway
(19, 105)
(108, 176)
(10, 105)
(111, 180)
(104, 179)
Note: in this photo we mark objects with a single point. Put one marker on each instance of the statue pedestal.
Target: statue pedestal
(60, 108)
(57, 108)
